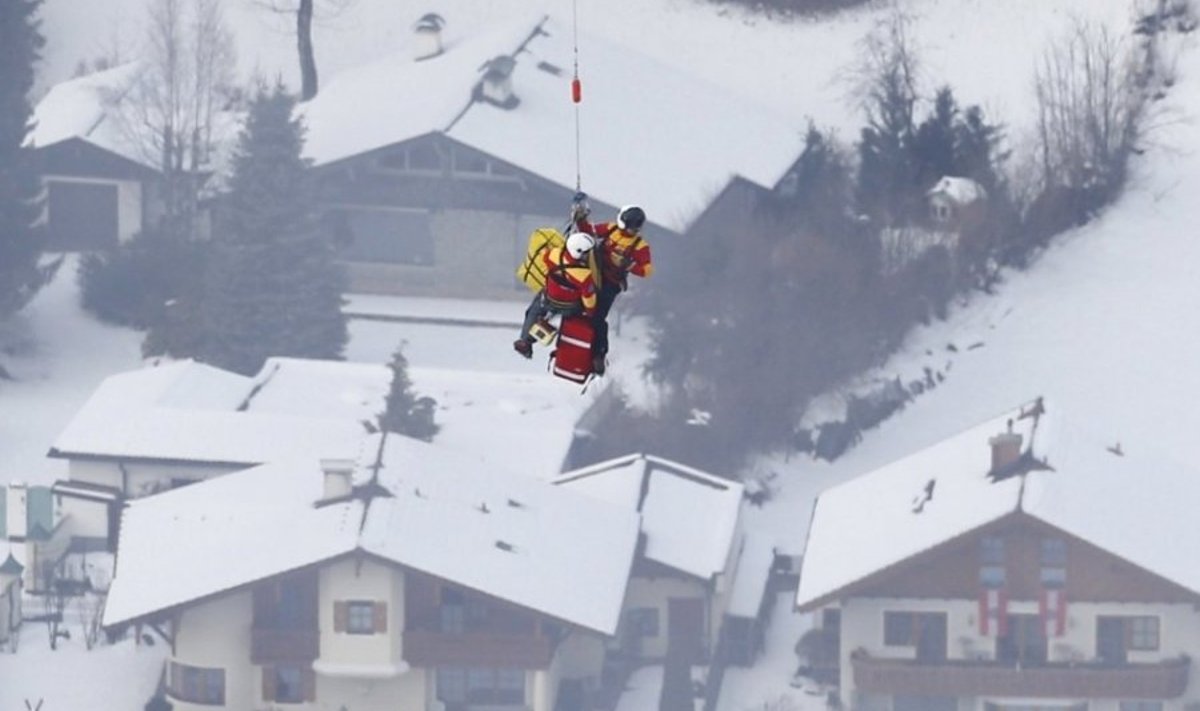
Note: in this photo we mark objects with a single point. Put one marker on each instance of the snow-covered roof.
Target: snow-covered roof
(86, 108)
(690, 518)
(667, 140)
(964, 191)
(189, 411)
(455, 517)
(1126, 503)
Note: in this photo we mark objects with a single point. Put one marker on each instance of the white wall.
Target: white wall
(366, 580)
(216, 634)
(579, 656)
(139, 478)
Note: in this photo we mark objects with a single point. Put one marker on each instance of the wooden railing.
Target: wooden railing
(268, 646)
(425, 648)
(1163, 680)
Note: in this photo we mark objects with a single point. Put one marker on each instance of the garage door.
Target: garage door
(82, 216)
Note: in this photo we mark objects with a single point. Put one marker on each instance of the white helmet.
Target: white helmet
(579, 244)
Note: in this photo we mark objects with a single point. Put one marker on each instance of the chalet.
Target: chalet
(445, 155)
(102, 187)
(412, 577)
(695, 557)
(1024, 563)
(467, 149)
(956, 203)
(31, 525)
(160, 427)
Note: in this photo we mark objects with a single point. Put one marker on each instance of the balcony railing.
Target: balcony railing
(424, 648)
(1163, 680)
(268, 646)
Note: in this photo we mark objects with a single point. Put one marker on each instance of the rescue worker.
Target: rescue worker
(569, 288)
(623, 251)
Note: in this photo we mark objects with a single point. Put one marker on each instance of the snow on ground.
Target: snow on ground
(119, 677)
(56, 358)
(1104, 322)
(768, 682)
(802, 68)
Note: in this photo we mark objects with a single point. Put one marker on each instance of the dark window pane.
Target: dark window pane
(388, 236)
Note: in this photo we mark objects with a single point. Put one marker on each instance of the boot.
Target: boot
(523, 347)
(598, 364)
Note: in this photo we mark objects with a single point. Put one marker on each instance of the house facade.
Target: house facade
(31, 524)
(1002, 590)
(101, 187)
(158, 428)
(380, 637)
(415, 577)
(695, 561)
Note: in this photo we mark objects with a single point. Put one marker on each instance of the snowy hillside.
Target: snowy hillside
(1104, 324)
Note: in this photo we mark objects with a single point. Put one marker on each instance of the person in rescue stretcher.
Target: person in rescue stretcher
(622, 251)
(569, 288)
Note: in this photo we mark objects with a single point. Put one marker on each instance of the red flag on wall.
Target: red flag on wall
(1052, 607)
(993, 612)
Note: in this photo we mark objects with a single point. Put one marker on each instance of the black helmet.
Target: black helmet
(631, 218)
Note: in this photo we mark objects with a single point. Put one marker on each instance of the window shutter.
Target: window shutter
(310, 684)
(341, 615)
(380, 611)
(268, 678)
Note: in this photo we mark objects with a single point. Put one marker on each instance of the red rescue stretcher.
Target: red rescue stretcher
(571, 358)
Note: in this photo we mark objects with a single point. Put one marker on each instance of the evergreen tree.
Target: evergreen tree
(406, 413)
(886, 168)
(21, 242)
(272, 287)
(934, 144)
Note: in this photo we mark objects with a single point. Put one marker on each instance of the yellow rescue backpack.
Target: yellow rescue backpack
(532, 270)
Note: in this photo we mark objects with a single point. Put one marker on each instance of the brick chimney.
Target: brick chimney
(339, 478)
(17, 511)
(428, 40)
(1006, 448)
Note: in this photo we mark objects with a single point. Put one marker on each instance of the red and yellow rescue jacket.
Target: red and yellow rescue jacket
(568, 282)
(622, 253)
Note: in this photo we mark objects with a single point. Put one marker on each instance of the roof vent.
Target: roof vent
(496, 85)
(428, 40)
(339, 478)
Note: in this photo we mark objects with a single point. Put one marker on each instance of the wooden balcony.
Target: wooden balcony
(1163, 680)
(424, 648)
(268, 646)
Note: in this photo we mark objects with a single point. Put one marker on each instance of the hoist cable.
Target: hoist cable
(576, 93)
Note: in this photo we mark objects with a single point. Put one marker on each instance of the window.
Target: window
(1141, 633)
(991, 550)
(899, 629)
(197, 685)
(289, 684)
(642, 621)
(481, 686)
(387, 236)
(991, 562)
(469, 162)
(1054, 562)
(360, 617)
(926, 631)
(1025, 641)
